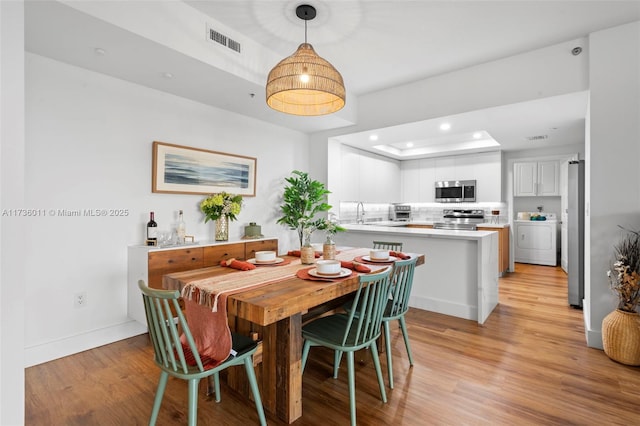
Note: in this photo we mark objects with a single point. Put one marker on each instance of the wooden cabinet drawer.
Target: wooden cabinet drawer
(214, 254)
(254, 246)
(166, 262)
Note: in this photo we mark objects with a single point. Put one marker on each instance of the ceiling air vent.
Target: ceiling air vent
(537, 138)
(217, 37)
(233, 45)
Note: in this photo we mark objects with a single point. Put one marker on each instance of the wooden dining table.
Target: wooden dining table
(274, 312)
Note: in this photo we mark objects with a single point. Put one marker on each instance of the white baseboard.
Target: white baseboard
(444, 307)
(39, 354)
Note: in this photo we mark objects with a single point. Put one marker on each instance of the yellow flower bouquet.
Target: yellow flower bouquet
(222, 204)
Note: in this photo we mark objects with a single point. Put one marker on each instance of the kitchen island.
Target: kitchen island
(460, 274)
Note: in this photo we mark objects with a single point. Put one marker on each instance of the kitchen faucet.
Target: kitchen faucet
(359, 217)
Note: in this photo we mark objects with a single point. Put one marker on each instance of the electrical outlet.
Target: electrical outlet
(80, 299)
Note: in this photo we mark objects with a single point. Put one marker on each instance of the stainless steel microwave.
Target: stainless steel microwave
(456, 191)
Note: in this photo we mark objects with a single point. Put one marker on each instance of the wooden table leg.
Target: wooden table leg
(289, 368)
(281, 369)
(280, 372)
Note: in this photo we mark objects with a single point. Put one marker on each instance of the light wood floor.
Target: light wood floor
(527, 365)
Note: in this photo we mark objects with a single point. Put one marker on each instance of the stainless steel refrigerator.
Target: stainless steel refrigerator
(575, 232)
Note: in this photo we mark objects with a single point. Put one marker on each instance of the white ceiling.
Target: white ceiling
(364, 40)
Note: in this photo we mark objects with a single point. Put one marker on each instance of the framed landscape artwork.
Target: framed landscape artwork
(184, 170)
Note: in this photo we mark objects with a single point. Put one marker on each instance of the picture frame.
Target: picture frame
(181, 169)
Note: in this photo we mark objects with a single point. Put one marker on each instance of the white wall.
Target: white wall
(612, 158)
(531, 75)
(88, 146)
(11, 227)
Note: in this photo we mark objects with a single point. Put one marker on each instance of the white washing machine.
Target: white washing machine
(535, 241)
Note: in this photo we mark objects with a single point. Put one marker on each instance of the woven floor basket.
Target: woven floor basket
(621, 337)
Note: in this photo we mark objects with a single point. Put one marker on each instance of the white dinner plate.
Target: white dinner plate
(274, 261)
(344, 272)
(387, 260)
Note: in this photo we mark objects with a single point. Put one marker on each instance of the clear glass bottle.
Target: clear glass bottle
(181, 229)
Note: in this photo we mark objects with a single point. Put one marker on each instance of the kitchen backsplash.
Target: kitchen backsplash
(429, 212)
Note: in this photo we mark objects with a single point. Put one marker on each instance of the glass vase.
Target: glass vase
(222, 228)
(329, 249)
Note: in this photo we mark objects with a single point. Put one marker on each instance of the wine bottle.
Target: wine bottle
(181, 228)
(152, 231)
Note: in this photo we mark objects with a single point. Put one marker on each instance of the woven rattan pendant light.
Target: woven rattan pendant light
(304, 83)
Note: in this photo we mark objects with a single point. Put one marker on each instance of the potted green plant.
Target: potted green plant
(303, 200)
(621, 328)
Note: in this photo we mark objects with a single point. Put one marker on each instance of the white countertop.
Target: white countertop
(421, 222)
(196, 244)
(423, 232)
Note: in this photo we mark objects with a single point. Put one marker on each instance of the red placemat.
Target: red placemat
(304, 274)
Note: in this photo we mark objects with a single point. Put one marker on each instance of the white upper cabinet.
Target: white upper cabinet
(363, 176)
(465, 167)
(548, 178)
(368, 177)
(446, 168)
(417, 180)
(536, 178)
(525, 179)
(419, 176)
(379, 180)
(350, 174)
(488, 175)
(410, 183)
(427, 180)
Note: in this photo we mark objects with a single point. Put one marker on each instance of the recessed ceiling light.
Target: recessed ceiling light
(445, 126)
(100, 51)
(167, 75)
(409, 144)
(373, 137)
(477, 135)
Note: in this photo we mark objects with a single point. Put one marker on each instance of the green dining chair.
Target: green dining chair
(349, 332)
(387, 245)
(396, 308)
(182, 360)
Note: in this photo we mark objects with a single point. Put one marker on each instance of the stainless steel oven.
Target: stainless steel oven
(456, 191)
(460, 219)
